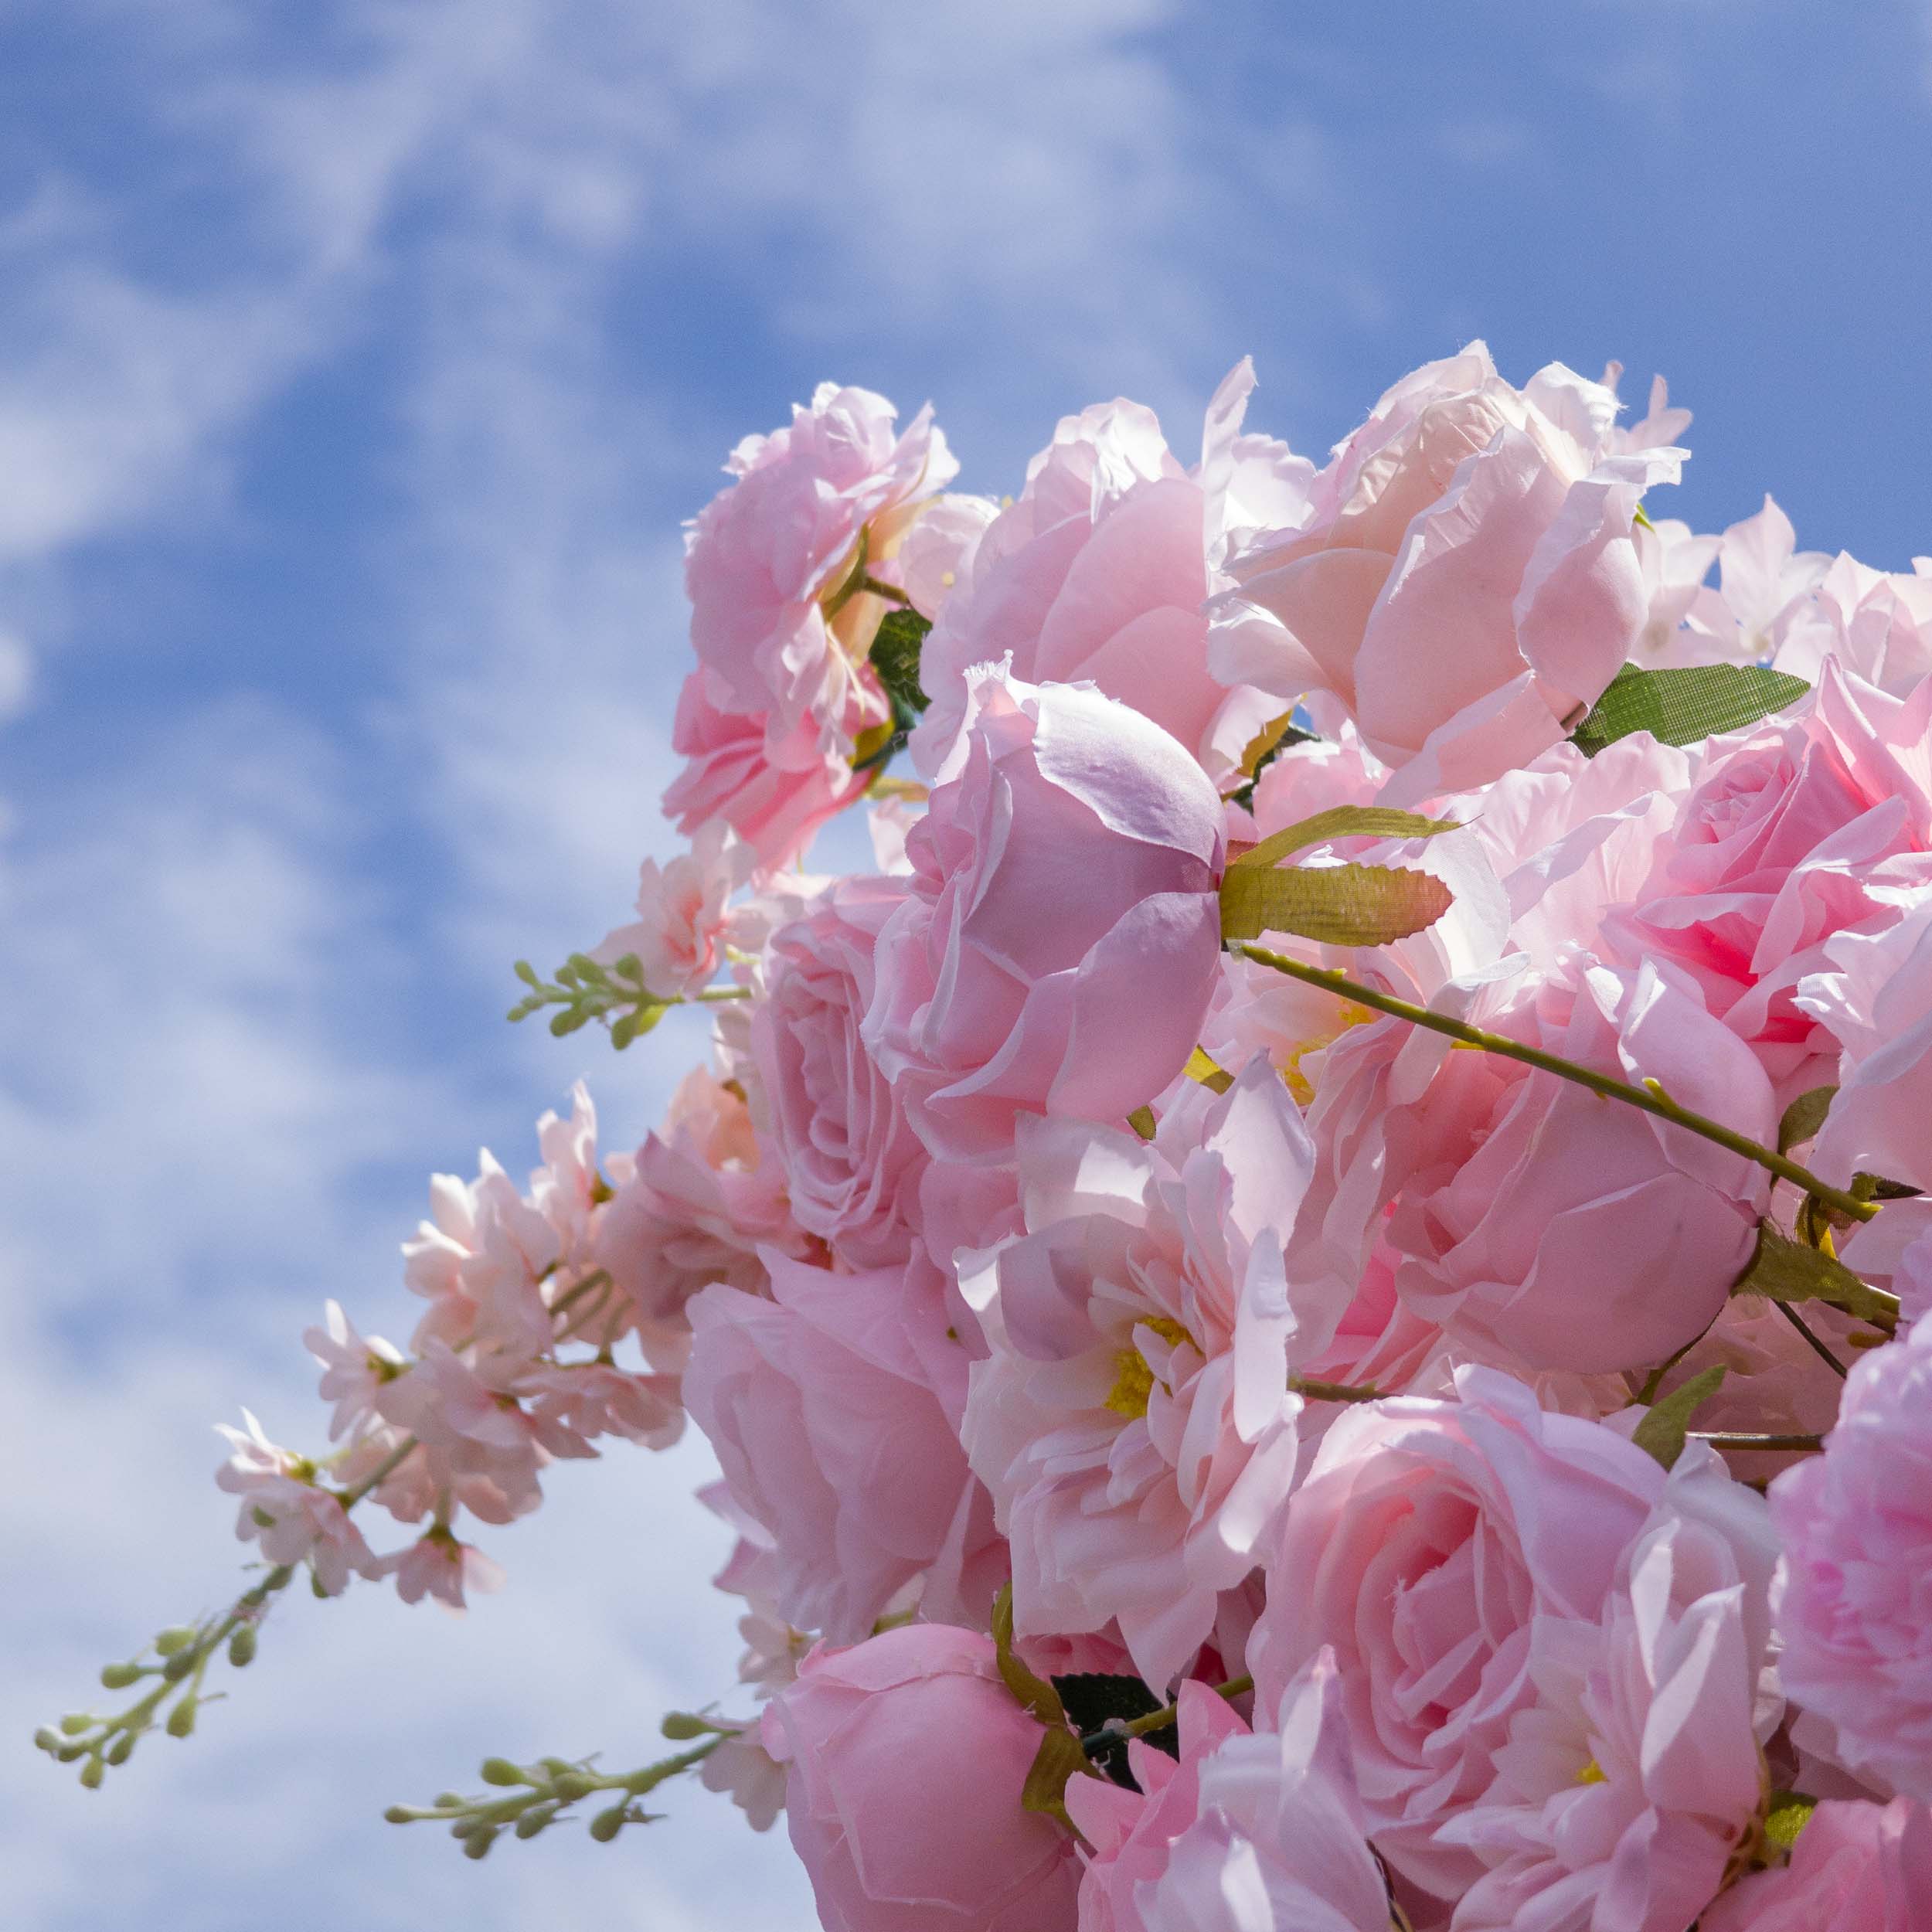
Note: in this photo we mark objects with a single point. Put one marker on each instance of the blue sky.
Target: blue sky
(358, 361)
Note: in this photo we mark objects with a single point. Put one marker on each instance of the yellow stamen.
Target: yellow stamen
(1133, 1379)
(1592, 1773)
(1299, 1084)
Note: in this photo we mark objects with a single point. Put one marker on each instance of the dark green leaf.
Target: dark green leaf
(1681, 706)
(895, 656)
(1342, 821)
(1804, 1118)
(1661, 1432)
(1334, 905)
(1788, 1270)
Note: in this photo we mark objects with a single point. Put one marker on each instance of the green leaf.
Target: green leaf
(1059, 1759)
(1804, 1118)
(1060, 1755)
(1681, 706)
(1788, 1270)
(1662, 1433)
(1342, 821)
(1334, 905)
(895, 656)
(1033, 1692)
(1093, 1698)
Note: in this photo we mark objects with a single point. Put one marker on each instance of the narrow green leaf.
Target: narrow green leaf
(1788, 1270)
(1342, 821)
(1662, 1433)
(1334, 905)
(1685, 703)
(1804, 1118)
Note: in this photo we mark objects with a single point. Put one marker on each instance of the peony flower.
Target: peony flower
(1465, 580)
(1061, 935)
(1098, 572)
(822, 1408)
(852, 1161)
(1246, 1833)
(1430, 1545)
(1856, 1525)
(1856, 1868)
(768, 721)
(1632, 1777)
(1133, 1419)
(905, 1757)
(284, 1509)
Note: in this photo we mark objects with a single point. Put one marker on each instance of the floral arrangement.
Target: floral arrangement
(1317, 1270)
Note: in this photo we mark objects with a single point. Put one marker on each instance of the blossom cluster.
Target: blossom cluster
(1305, 1299)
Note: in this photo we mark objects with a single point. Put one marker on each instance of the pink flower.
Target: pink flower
(1099, 571)
(1799, 827)
(679, 936)
(589, 1398)
(746, 1772)
(851, 1160)
(1856, 1868)
(1856, 1525)
(1876, 624)
(1465, 580)
(1684, 618)
(1061, 937)
(1133, 1420)
(284, 1508)
(937, 552)
(1534, 1225)
(1246, 1833)
(1765, 579)
(699, 1204)
(437, 1565)
(822, 1406)
(782, 688)
(905, 1759)
(1430, 1542)
(353, 1370)
(1630, 1779)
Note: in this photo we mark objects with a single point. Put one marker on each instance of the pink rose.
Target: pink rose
(1856, 1525)
(1062, 933)
(905, 1758)
(1465, 580)
(1099, 570)
(1538, 1227)
(852, 1161)
(1246, 1833)
(1856, 1868)
(1632, 1777)
(1799, 827)
(1429, 1545)
(1133, 1419)
(823, 1411)
(768, 720)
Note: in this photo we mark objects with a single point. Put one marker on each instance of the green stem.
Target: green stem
(712, 995)
(381, 1473)
(1732, 1439)
(890, 592)
(1825, 1355)
(1333, 1391)
(1095, 1742)
(1650, 1097)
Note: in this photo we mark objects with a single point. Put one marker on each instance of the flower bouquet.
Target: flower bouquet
(1306, 1293)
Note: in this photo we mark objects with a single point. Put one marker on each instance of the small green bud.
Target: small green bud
(47, 1738)
(573, 1785)
(241, 1647)
(478, 1845)
(681, 1725)
(75, 1722)
(119, 1676)
(449, 1800)
(91, 1773)
(606, 1825)
(178, 1636)
(533, 1821)
(556, 1767)
(398, 1815)
(70, 1753)
(181, 1719)
(121, 1749)
(500, 1771)
(178, 1666)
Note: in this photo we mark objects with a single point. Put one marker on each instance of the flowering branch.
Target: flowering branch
(1650, 1096)
(586, 990)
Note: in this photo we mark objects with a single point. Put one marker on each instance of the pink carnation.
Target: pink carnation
(905, 1758)
(1465, 580)
(1856, 1525)
(1060, 938)
(1133, 1420)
